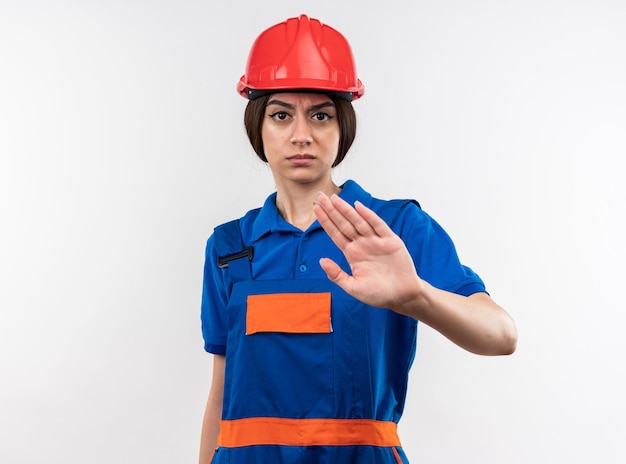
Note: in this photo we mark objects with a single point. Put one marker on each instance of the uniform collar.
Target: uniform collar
(269, 219)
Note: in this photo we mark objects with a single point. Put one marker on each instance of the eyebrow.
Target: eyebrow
(319, 106)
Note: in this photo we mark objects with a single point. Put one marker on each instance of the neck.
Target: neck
(295, 204)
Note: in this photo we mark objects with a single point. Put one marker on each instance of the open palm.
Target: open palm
(383, 273)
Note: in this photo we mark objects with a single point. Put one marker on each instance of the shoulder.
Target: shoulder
(245, 221)
(229, 237)
(255, 222)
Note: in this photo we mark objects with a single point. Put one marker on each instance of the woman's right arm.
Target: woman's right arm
(213, 411)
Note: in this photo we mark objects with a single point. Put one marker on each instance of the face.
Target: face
(300, 135)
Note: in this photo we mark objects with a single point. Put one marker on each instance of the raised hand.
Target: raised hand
(383, 273)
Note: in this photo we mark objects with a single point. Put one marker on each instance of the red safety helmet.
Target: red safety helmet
(300, 53)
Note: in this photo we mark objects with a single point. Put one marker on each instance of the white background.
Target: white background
(122, 146)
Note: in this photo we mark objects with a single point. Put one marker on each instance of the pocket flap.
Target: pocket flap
(288, 313)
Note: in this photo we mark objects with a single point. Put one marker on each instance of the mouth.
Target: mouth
(301, 160)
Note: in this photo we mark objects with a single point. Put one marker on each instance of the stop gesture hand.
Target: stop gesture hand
(383, 273)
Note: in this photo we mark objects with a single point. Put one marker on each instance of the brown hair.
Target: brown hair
(255, 113)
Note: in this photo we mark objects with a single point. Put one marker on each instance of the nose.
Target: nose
(301, 132)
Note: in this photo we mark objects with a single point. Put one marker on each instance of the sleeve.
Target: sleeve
(214, 303)
(434, 253)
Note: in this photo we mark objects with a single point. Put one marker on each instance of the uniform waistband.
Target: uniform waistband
(307, 432)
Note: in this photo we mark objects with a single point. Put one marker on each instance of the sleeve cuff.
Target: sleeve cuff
(470, 289)
(215, 349)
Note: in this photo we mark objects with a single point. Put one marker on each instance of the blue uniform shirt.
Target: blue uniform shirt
(283, 251)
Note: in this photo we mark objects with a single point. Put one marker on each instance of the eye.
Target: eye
(279, 115)
(322, 117)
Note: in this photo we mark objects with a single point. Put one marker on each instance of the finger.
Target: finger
(378, 225)
(345, 217)
(329, 226)
(335, 273)
(334, 221)
(353, 220)
(336, 216)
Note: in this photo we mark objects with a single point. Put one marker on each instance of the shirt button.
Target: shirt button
(305, 237)
(302, 268)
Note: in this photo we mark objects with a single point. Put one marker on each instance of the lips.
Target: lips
(301, 160)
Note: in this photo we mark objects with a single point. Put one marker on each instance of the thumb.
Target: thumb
(334, 272)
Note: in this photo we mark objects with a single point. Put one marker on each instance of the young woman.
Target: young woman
(311, 303)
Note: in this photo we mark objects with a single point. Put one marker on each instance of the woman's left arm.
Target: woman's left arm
(383, 275)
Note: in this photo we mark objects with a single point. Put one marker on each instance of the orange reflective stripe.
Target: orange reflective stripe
(307, 432)
(397, 455)
(288, 313)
